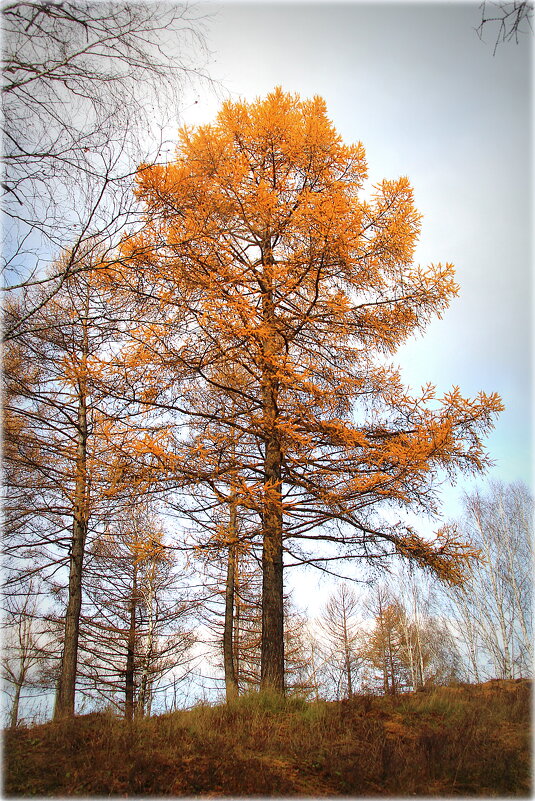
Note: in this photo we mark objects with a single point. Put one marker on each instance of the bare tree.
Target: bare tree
(341, 641)
(232, 612)
(84, 84)
(432, 654)
(510, 20)
(493, 607)
(23, 649)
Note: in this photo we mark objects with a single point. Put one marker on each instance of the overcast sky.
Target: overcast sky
(428, 99)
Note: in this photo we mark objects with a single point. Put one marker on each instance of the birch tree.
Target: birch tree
(25, 650)
(494, 606)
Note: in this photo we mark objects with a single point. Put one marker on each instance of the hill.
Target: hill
(465, 740)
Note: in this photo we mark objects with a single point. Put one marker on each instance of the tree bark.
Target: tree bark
(347, 654)
(14, 717)
(65, 696)
(231, 685)
(393, 688)
(272, 644)
(145, 685)
(129, 683)
(237, 632)
(272, 648)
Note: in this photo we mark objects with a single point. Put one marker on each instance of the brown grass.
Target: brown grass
(469, 740)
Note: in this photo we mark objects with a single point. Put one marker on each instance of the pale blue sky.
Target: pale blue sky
(428, 99)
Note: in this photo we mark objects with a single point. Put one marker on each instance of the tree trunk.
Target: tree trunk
(469, 633)
(14, 717)
(65, 696)
(272, 649)
(236, 642)
(393, 682)
(25, 642)
(383, 643)
(272, 644)
(231, 685)
(314, 675)
(129, 683)
(502, 643)
(347, 654)
(421, 665)
(386, 686)
(145, 685)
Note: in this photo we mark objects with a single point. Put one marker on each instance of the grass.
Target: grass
(469, 740)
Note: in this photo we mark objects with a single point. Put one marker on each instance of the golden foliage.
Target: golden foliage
(281, 288)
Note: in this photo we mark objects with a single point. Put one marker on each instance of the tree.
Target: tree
(83, 83)
(510, 20)
(240, 635)
(385, 651)
(408, 647)
(132, 627)
(24, 651)
(493, 607)
(431, 649)
(59, 430)
(342, 640)
(232, 611)
(265, 257)
(439, 659)
(231, 527)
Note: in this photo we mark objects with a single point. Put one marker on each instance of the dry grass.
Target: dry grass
(470, 740)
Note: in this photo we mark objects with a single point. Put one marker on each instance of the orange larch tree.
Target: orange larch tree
(65, 435)
(267, 256)
(53, 447)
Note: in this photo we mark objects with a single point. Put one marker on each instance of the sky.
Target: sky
(428, 99)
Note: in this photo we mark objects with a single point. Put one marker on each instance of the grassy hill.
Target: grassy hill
(468, 740)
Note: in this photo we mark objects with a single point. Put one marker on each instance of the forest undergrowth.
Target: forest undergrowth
(466, 740)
